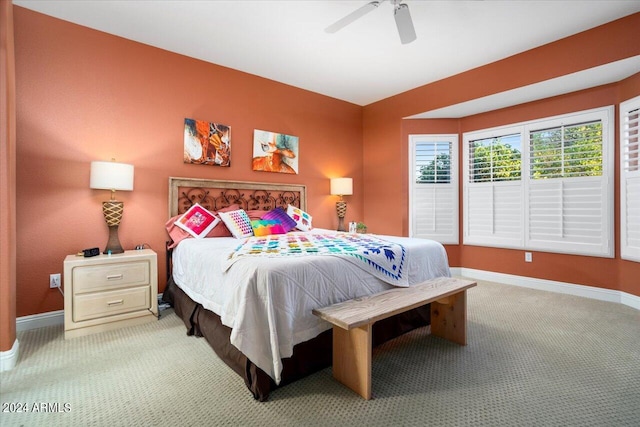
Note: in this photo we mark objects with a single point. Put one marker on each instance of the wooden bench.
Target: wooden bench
(353, 321)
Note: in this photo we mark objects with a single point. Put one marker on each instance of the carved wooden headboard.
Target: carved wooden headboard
(216, 194)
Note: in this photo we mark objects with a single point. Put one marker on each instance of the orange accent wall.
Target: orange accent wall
(384, 159)
(593, 271)
(7, 180)
(608, 273)
(84, 95)
(386, 143)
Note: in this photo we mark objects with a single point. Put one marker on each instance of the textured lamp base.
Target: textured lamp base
(112, 211)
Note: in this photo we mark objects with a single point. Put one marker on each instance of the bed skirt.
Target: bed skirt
(308, 357)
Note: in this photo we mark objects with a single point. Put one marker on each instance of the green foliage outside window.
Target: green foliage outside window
(437, 171)
(495, 159)
(567, 151)
(560, 152)
(433, 162)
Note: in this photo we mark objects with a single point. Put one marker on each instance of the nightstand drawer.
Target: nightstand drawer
(99, 277)
(107, 292)
(101, 304)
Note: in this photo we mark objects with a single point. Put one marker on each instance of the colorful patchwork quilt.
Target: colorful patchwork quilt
(383, 259)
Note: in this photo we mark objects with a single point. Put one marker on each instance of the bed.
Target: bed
(256, 312)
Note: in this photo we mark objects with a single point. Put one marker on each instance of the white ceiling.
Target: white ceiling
(364, 62)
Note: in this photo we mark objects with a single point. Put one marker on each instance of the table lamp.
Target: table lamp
(341, 187)
(112, 176)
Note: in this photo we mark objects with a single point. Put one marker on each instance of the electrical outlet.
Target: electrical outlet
(54, 280)
(528, 257)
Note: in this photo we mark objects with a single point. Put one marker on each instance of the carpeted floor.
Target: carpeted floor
(534, 358)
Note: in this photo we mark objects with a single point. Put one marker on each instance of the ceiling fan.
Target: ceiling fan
(400, 12)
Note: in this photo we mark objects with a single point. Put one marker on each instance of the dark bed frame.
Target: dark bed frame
(309, 356)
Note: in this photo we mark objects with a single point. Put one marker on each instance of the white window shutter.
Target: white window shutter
(433, 200)
(493, 213)
(569, 186)
(432, 214)
(630, 179)
(567, 215)
(560, 198)
(493, 191)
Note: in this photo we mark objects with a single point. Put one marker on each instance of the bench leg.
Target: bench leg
(449, 318)
(352, 358)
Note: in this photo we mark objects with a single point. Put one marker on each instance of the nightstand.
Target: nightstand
(109, 291)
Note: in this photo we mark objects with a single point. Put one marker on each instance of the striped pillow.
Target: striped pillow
(281, 215)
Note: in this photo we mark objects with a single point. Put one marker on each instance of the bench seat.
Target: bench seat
(353, 321)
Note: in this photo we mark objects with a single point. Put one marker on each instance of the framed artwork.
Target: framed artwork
(207, 143)
(275, 152)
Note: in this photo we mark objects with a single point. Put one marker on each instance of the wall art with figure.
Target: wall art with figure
(275, 152)
(207, 143)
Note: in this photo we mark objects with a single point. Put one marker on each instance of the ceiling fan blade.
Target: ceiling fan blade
(356, 14)
(404, 24)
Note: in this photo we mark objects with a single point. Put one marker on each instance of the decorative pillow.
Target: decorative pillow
(221, 230)
(302, 219)
(238, 223)
(177, 234)
(255, 214)
(197, 221)
(266, 227)
(279, 214)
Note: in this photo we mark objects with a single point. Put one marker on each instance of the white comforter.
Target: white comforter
(267, 302)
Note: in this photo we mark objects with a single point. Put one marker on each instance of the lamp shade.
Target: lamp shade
(111, 176)
(341, 186)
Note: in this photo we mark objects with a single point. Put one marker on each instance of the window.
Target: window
(569, 199)
(630, 179)
(433, 187)
(543, 185)
(493, 188)
(495, 159)
(567, 151)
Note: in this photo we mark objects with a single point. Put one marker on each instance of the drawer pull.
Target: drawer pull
(114, 276)
(117, 302)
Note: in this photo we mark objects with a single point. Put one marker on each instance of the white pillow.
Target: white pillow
(302, 219)
(238, 223)
(197, 221)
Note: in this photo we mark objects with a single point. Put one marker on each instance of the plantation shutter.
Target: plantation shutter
(568, 190)
(433, 189)
(493, 191)
(630, 179)
(547, 185)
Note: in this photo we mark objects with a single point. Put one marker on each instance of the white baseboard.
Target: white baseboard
(630, 300)
(40, 320)
(51, 318)
(551, 285)
(9, 358)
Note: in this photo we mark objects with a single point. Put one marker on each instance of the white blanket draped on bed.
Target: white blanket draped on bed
(267, 302)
